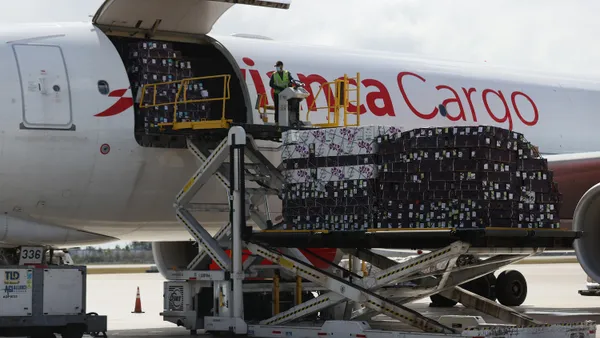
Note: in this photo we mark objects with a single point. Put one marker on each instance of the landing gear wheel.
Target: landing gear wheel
(511, 288)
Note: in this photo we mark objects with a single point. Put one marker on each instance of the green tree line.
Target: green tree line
(135, 253)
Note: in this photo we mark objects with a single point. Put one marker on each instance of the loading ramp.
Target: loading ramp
(457, 257)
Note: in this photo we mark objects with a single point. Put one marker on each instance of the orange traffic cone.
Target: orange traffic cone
(138, 302)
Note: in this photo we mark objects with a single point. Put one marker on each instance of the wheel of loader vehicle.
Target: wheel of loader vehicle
(441, 301)
(259, 306)
(483, 286)
(511, 288)
(73, 331)
(43, 335)
(493, 280)
(95, 334)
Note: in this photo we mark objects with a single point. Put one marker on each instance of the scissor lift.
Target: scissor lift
(454, 260)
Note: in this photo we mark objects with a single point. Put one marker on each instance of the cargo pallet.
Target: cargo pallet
(456, 258)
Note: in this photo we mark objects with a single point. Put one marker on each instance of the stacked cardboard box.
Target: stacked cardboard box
(378, 177)
(464, 177)
(157, 62)
(331, 177)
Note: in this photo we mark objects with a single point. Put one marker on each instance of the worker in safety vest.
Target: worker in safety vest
(280, 80)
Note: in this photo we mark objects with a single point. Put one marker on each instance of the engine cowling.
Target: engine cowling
(169, 255)
(586, 218)
(177, 255)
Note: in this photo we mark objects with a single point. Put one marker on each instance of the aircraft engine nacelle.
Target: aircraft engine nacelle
(586, 218)
(173, 255)
(170, 256)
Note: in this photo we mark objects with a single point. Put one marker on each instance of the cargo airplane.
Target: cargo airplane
(74, 172)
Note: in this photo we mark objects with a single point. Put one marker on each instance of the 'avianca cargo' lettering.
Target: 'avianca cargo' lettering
(504, 115)
(501, 107)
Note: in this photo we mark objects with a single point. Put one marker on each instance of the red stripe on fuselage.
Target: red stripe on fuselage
(118, 92)
(120, 106)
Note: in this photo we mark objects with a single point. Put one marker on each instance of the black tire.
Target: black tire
(73, 331)
(483, 286)
(441, 301)
(493, 280)
(43, 335)
(511, 288)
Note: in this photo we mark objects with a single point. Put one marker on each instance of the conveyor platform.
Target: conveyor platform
(425, 239)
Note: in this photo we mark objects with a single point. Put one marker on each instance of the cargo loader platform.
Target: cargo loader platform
(177, 97)
(413, 239)
(341, 301)
(179, 138)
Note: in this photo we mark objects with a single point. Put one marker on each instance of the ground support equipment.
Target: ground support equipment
(250, 178)
(39, 301)
(588, 292)
(456, 258)
(261, 181)
(592, 288)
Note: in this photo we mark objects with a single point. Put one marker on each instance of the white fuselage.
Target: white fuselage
(59, 174)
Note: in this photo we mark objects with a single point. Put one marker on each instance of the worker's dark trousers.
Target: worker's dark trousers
(276, 103)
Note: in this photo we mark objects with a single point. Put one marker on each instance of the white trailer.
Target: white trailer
(345, 300)
(41, 298)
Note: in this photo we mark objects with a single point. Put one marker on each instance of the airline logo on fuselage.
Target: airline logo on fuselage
(122, 104)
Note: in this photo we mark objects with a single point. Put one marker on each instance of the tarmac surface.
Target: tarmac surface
(552, 298)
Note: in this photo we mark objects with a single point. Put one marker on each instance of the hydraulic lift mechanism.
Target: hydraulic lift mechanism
(343, 302)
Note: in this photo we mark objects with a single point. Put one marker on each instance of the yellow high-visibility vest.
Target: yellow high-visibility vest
(281, 81)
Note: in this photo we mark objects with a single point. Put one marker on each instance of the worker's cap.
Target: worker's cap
(279, 63)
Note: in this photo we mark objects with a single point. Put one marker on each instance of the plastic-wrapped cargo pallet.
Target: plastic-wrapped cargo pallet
(461, 177)
(464, 177)
(156, 62)
(331, 177)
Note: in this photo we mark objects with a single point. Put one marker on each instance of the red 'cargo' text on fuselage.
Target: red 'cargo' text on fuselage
(463, 104)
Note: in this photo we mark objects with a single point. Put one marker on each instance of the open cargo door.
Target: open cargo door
(181, 16)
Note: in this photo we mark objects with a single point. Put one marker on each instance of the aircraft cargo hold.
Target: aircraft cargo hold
(178, 82)
(158, 64)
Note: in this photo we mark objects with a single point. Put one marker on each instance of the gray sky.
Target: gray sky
(540, 34)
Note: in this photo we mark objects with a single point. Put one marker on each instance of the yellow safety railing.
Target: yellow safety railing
(348, 101)
(264, 115)
(204, 123)
(341, 102)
